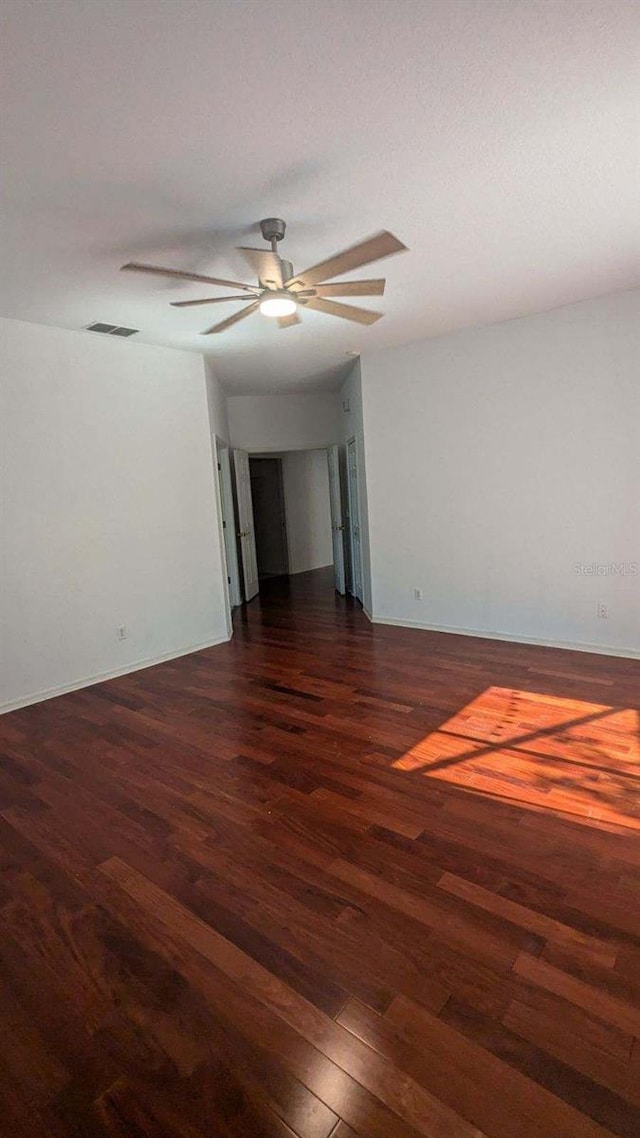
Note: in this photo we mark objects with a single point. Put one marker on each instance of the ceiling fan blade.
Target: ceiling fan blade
(346, 311)
(134, 267)
(289, 321)
(209, 300)
(232, 319)
(382, 245)
(352, 288)
(265, 264)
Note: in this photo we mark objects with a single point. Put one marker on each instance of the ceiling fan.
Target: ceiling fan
(280, 293)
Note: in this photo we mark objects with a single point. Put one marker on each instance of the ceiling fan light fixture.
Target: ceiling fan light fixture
(278, 303)
(279, 293)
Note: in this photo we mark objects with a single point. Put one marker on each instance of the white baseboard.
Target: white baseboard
(309, 569)
(370, 618)
(99, 677)
(573, 646)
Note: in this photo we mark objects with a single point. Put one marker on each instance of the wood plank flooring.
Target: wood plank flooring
(328, 881)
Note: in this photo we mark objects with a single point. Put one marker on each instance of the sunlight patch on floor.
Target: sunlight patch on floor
(569, 755)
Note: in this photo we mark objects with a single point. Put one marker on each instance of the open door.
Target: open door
(246, 533)
(336, 518)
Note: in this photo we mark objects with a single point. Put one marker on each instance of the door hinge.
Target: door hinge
(229, 580)
(224, 524)
(219, 467)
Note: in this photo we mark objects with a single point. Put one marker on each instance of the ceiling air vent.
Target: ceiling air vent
(111, 329)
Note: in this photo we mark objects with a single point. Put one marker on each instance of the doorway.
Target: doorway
(269, 513)
(299, 511)
(284, 515)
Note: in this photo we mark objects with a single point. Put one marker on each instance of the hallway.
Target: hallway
(328, 880)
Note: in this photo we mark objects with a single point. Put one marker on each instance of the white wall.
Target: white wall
(217, 403)
(283, 422)
(308, 512)
(108, 509)
(498, 459)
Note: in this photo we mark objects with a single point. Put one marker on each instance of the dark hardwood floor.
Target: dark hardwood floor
(328, 880)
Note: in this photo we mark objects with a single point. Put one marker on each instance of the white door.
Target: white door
(229, 526)
(245, 524)
(336, 517)
(354, 518)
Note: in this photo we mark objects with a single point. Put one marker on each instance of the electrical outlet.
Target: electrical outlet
(122, 632)
(603, 611)
(417, 594)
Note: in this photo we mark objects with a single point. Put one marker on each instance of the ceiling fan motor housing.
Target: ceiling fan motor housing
(273, 228)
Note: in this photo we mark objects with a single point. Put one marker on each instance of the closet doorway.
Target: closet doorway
(269, 516)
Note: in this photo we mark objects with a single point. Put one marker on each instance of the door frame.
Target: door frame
(337, 519)
(356, 577)
(228, 520)
(216, 445)
(244, 518)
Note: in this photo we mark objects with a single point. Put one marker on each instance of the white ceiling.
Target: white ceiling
(497, 138)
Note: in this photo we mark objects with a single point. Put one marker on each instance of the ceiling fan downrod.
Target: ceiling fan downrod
(273, 230)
